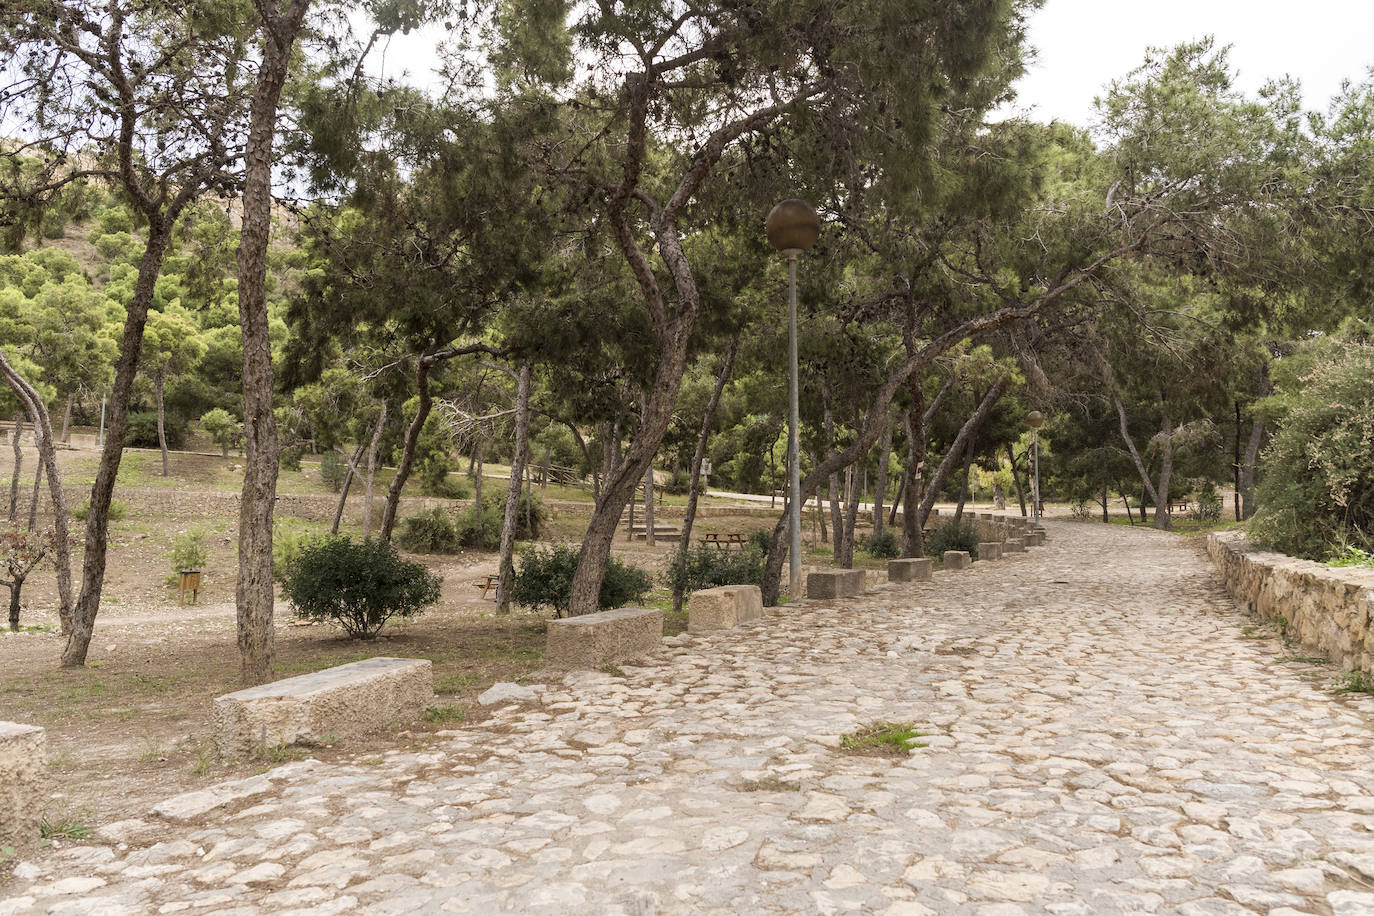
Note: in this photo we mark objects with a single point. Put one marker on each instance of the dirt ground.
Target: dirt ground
(134, 725)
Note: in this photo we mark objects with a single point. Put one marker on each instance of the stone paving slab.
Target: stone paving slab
(1101, 738)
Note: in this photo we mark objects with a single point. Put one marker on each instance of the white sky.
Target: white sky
(1084, 44)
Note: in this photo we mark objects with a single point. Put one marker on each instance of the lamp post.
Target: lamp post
(792, 228)
(1035, 419)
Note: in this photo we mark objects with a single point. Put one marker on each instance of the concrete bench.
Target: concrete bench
(603, 638)
(989, 550)
(724, 607)
(835, 583)
(908, 569)
(957, 559)
(319, 708)
(24, 783)
(1014, 545)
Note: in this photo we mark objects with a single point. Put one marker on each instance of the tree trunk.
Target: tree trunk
(47, 458)
(1247, 470)
(116, 427)
(1163, 519)
(67, 420)
(896, 502)
(1139, 464)
(698, 456)
(649, 505)
(372, 471)
(161, 417)
(851, 518)
(477, 478)
(17, 584)
(1016, 479)
(912, 540)
(393, 493)
(963, 484)
(880, 486)
(37, 490)
(349, 474)
(18, 466)
(961, 442)
(253, 594)
(517, 470)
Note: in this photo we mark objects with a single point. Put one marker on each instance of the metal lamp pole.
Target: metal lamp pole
(792, 228)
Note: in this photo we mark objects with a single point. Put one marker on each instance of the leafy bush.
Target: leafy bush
(333, 470)
(1317, 483)
(436, 481)
(704, 566)
(952, 535)
(429, 532)
(290, 457)
(482, 530)
(359, 585)
(143, 431)
(883, 546)
(189, 551)
(1208, 508)
(1350, 555)
(118, 509)
(289, 538)
(544, 578)
(761, 539)
(221, 426)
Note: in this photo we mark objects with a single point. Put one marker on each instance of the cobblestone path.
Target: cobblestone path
(1102, 739)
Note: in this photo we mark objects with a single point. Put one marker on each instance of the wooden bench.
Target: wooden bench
(489, 584)
(321, 707)
(639, 532)
(725, 539)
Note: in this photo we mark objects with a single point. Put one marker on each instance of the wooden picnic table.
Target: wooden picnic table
(490, 584)
(724, 539)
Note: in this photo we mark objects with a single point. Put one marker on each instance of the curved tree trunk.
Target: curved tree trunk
(393, 492)
(372, 472)
(517, 470)
(1163, 518)
(350, 473)
(37, 489)
(880, 485)
(15, 586)
(18, 445)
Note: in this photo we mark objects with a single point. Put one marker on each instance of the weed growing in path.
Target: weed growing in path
(769, 784)
(883, 739)
(445, 714)
(1354, 682)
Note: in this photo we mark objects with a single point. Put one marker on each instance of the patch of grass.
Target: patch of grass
(769, 784)
(457, 683)
(1302, 660)
(62, 761)
(612, 670)
(204, 763)
(152, 753)
(883, 739)
(1354, 682)
(445, 715)
(67, 828)
(281, 753)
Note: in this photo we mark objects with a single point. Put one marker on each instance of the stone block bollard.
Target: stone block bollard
(724, 607)
(1014, 545)
(22, 789)
(957, 559)
(604, 637)
(989, 550)
(910, 569)
(835, 583)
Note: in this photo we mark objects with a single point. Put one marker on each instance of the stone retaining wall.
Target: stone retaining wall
(1328, 610)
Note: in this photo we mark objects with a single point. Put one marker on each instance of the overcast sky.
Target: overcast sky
(1084, 44)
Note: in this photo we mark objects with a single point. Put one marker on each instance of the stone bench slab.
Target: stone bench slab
(22, 789)
(603, 638)
(320, 707)
(957, 559)
(909, 569)
(724, 607)
(835, 583)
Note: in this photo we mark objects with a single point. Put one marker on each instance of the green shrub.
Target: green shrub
(333, 470)
(761, 539)
(290, 457)
(429, 532)
(435, 479)
(221, 426)
(704, 566)
(952, 535)
(289, 538)
(189, 551)
(543, 578)
(482, 530)
(359, 585)
(1317, 477)
(883, 546)
(118, 509)
(1208, 508)
(1349, 555)
(143, 431)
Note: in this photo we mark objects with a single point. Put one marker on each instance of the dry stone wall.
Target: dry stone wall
(1328, 610)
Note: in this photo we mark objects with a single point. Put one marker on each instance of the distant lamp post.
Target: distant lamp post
(1035, 419)
(792, 228)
